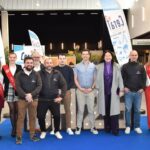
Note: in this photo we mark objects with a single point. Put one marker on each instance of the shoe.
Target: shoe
(69, 131)
(18, 140)
(58, 135)
(0, 137)
(34, 138)
(94, 131)
(107, 130)
(13, 133)
(52, 132)
(138, 130)
(127, 130)
(43, 135)
(116, 133)
(78, 131)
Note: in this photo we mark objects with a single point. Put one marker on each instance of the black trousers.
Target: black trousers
(43, 107)
(111, 123)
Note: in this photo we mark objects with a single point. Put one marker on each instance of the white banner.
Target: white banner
(23, 51)
(119, 34)
(35, 42)
(2, 53)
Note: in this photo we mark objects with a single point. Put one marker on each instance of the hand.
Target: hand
(28, 97)
(121, 94)
(141, 91)
(126, 90)
(86, 91)
(58, 99)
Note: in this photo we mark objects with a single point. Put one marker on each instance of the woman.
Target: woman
(147, 93)
(1, 93)
(10, 94)
(109, 84)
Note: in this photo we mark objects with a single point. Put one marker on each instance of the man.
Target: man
(36, 61)
(37, 67)
(28, 85)
(67, 73)
(50, 97)
(134, 77)
(84, 77)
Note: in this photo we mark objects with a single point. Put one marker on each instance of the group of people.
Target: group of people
(42, 87)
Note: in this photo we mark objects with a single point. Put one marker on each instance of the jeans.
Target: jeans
(133, 99)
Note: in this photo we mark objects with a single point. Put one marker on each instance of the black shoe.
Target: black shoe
(13, 133)
(35, 138)
(18, 140)
(115, 133)
(107, 130)
(0, 137)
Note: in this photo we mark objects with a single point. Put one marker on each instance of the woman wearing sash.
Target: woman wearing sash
(9, 71)
(1, 93)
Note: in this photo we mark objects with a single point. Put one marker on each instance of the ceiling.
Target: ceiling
(11, 5)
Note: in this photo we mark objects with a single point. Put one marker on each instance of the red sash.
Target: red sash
(9, 76)
(1, 96)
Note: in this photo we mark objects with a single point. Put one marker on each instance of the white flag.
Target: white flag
(118, 29)
(35, 42)
(2, 54)
(119, 34)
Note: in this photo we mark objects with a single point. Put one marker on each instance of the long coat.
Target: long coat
(117, 82)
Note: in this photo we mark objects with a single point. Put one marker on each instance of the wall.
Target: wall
(137, 24)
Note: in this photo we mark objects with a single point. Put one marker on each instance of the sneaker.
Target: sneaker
(69, 131)
(52, 132)
(127, 130)
(43, 135)
(78, 131)
(18, 140)
(94, 131)
(138, 130)
(35, 138)
(58, 135)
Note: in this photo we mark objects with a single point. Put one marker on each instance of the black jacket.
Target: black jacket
(134, 76)
(28, 84)
(51, 83)
(6, 80)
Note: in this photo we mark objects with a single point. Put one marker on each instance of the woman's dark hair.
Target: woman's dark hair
(103, 56)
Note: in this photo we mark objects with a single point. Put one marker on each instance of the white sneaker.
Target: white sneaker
(138, 130)
(69, 131)
(94, 131)
(43, 135)
(78, 131)
(52, 132)
(58, 135)
(127, 130)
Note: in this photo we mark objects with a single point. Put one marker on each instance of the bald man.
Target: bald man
(50, 97)
(134, 77)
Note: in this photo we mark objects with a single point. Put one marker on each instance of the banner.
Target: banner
(35, 42)
(23, 51)
(2, 54)
(118, 30)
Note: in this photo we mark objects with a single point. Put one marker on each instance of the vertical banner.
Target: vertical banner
(118, 30)
(119, 34)
(35, 42)
(2, 53)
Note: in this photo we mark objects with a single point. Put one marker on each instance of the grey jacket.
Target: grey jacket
(117, 82)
